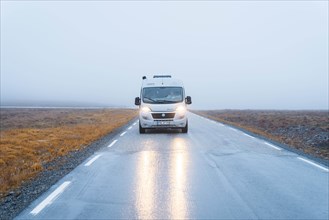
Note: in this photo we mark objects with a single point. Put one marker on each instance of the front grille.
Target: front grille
(163, 115)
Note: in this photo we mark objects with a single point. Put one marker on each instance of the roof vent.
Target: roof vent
(162, 76)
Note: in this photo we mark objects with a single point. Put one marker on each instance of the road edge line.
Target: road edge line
(91, 161)
(314, 164)
(51, 198)
(272, 146)
(113, 143)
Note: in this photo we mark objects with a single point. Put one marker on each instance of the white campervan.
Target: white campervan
(162, 104)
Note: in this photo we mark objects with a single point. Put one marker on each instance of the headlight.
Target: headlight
(181, 110)
(145, 109)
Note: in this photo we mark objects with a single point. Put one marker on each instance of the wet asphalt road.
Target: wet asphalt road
(214, 171)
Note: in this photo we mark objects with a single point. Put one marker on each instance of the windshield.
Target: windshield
(162, 95)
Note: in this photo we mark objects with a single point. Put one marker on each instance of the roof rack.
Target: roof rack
(162, 76)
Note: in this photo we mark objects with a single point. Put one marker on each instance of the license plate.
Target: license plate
(163, 123)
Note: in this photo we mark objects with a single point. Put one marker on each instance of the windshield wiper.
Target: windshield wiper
(166, 101)
(152, 100)
(170, 101)
(160, 101)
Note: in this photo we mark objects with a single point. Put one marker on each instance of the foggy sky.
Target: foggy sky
(230, 55)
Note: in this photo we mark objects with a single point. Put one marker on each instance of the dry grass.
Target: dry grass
(307, 131)
(29, 138)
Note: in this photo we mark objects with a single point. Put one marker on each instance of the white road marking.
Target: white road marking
(272, 146)
(233, 129)
(92, 160)
(130, 128)
(50, 199)
(314, 164)
(123, 133)
(248, 135)
(135, 123)
(112, 143)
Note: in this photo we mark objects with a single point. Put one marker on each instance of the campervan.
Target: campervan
(162, 104)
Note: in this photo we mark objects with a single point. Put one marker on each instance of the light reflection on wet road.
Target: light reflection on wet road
(161, 182)
(177, 177)
(145, 188)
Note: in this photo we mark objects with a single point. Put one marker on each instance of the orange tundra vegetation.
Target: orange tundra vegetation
(29, 138)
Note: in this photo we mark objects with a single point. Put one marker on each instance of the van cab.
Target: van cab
(162, 104)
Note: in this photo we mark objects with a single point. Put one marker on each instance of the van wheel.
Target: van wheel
(185, 129)
(141, 130)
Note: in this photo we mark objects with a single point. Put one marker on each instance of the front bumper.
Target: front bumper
(147, 121)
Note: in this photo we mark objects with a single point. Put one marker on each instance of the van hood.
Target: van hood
(163, 107)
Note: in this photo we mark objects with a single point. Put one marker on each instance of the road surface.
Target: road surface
(214, 171)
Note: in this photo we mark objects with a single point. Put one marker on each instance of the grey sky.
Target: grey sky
(253, 54)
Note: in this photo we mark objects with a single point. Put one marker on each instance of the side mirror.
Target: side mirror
(188, 100)
(137, 101)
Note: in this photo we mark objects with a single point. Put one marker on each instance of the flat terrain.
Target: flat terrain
(307, 131)
(31, 138)
(213, 172)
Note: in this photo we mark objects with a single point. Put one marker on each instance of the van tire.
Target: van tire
(141, 130)
(185, 129)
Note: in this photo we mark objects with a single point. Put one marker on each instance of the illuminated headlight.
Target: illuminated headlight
(181, 110)
(145, 110)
